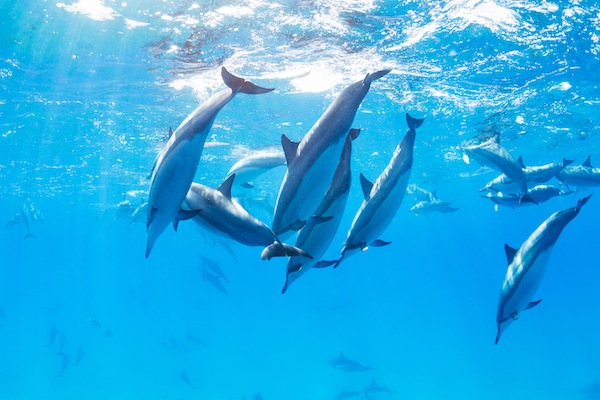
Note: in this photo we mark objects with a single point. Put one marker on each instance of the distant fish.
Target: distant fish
(486, 150)
(214, 281)
(176, 164)
(252, 166)
(527, 266)
(345, 364)
(584, 175)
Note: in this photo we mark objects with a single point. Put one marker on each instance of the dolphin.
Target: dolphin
(214, 267)
(382, 198)
(223, 215)
(348, 365)
(312, 162)
(486, 150)
(213, 280)
(436, 205)
(421, 194)
(375, 387)
(346, 394)
(580, 175)
(250, 167)
(176, 164)
(319, 231)
(527, 265)
(533, 174)
(26, 210)
(539, 193)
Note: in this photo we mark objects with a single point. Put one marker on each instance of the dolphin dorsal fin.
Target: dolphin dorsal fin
(510, 253)
(588, 162)
(225, 187)
(532, 304)
(366, 186)
(170, 132)
(354, 132)
(520, 161)
(290, 149)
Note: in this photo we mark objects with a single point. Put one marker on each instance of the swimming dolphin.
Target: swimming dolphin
(580, 175)
(374, 387)
(176, 164)
(319, 231)
(346, 394)
(250, 167)
(213, 280)
(347, 365)
(486, 149)
(223, 215)
(382, 198)
(214, 267)
(312, 162)
(436, 205)
(26, 210)
(539, 193)
(534, 175)
(527, 265)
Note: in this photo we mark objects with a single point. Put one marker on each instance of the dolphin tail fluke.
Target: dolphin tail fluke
(375, 75)
(527, 199)
(238, 84)
(29, 236)
(278, 249)
(582, 203)
(414, 123)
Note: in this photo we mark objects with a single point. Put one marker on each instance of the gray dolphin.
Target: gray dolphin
(486, 150)
(527, 266)
(318, 232)
(348, 365)
(213, 280)
(535, 175)
(176, 164)
(252, 166)
(312, 162)
(382, 198)
(223, 215)
(539, 193)
(435, 205)
(580, 175)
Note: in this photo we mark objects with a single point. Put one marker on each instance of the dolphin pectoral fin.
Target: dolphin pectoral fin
(326, 263)
(498, 336)
(290, 149)
(354, 132)
(466, 158)
(225, 187)
(380, 243)
(237, 84)
(510, 253)
(183, 215)
(527, 199)
(532, 304)
(247, 185)
(581, 203)
(366, 186)
(297, 225)
(413, 123)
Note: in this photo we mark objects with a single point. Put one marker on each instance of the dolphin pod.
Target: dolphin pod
(177, 162)
(527, 266)
(312, 162)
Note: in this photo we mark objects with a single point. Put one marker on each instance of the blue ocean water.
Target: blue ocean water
(89, 90)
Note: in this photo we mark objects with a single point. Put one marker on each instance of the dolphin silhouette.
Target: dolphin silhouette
(176, 164)
(312, 162)
(527, 266)
(580, 175)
